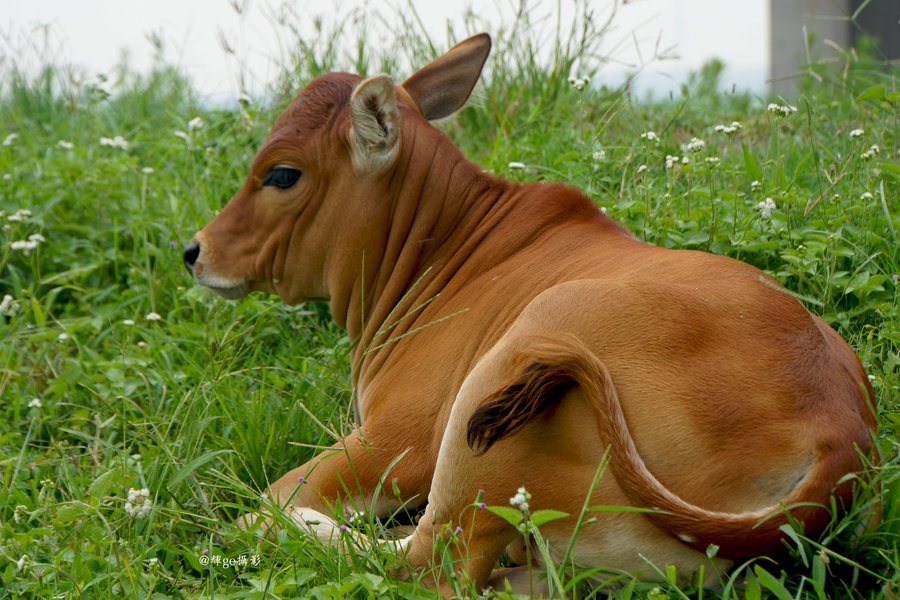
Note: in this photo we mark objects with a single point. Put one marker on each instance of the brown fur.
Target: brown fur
(520, 319)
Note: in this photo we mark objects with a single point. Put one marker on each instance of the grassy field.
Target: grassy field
(118, 375)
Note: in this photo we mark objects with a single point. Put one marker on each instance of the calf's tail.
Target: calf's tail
(545, 368)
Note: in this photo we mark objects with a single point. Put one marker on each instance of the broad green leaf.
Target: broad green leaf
(571, 155)
(751, 165)
(539, 517)
(100, 486)
(876, 92)
(70, 511)
(511, 515)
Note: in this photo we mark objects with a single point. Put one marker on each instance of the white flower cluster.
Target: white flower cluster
(34, 240)
(195, 123)
(781, 111)
(729, 129)
(599, 155)
(866, 196)
(871, 152)
(755, 184)
(516, 165)
(8, 307)
(65, 145)
(10, 139)
(766, 207)
(20, 215)
(650, 136)
(696, 145)
(855, 133)
(671, 160)
(116, 142)
(138, 503)
(21, 513)
(579, 82)
(35, 403)
(520, 499)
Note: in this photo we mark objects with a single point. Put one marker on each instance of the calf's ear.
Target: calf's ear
(374, 124)
(441, 87)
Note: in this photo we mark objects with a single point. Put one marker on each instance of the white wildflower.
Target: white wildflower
(579, 82)
(36, 237)
(20, 215)
(8, 307)
(642, 168)
(766, 207)
(147, 170)
(599, 155)
(138, 503)
(195, 123)
(116, 142)
(696, 145)
(729, 129)
(182, 135)
(63, 337)
(866, 196)
(520, 499)
(21, 513)
(755, 184)
(152, 316)
(128, 322)
(685, 160)
(516, 165)
(10, 139)
(25, 246)
(35, 403)
(871, 152)
(65, 145)
(711, 160)
(781, 111)
(650, 136)
(857, 133)
(21, 562)
(671, 161)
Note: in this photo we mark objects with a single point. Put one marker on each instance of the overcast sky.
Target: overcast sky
(93, 33)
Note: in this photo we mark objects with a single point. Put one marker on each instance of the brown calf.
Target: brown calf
(508, 334)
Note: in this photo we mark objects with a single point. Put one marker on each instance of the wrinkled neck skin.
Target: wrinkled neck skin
(442, 207)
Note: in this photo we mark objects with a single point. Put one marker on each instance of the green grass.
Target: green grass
(207, 403)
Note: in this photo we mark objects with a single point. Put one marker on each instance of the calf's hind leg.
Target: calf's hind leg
(528, 458)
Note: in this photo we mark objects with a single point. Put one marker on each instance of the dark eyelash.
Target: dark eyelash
(282, 177)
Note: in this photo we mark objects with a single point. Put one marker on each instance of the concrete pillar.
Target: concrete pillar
(824, 19)
(880, 18)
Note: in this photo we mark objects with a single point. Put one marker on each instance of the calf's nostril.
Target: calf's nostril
(191, 253)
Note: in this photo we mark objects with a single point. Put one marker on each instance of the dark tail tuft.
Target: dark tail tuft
(544, 374)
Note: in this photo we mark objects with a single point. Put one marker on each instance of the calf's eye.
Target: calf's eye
(282, 177)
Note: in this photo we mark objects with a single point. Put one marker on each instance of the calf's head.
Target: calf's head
(317, 188)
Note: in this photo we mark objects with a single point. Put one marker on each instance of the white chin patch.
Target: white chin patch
(231, 293)
(227, 289)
